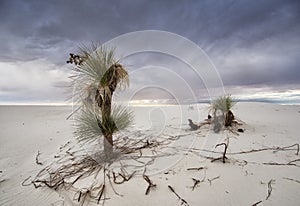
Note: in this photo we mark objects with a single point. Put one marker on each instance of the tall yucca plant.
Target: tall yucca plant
(97, 75)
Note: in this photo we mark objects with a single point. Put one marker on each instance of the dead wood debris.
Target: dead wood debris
(255, 204)
(24, 182)
(70, 153)
(101, 193)
(274, 149)
(270, 188)
(291, 179)
(197, 182)
(125, 177)
(58, 203)
(212, 179)
(110, 182)
(197, 168)
(63, 146)
(240, 130)
(291, 163)
(151, 184)
(193, 125)
(183, 202)
(75, 166)
(37, 159)
(3, 180)
(223, 158)
(78, 167)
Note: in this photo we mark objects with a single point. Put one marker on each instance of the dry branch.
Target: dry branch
(69, 169)
(183, 202)
(63, 146)
(75, 166)
(291, 163)
(196, 182)
(210, 180)
(193, 125)
(287, 147)
(291, 179)
(37, 159)
(101, 193)
(151, 184)
(196, 168)
(274, 149)
(124, 177)
(223, 158)
(3, 180)
(255, 204)
(110, 182)
(270, 188)
(296, 160)
(24, 182)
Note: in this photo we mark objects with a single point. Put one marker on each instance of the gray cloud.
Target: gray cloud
(251, 43)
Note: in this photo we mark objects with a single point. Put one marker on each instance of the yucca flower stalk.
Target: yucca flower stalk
(96, 77)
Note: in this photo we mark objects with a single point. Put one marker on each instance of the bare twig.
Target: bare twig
(183, 202)
(69, 153)
(270, 188)
(196, 168)
(294, 161)
(151, 184)
(37, 159)
(101, 193)
(287, 147)
(223, 158)
(58, 202)
(291, 163)
(196, 182)
(210, 180)
(193, 125)
(83, 195)
(63, 146)
(274, 149)
(255, 204)
(3, 180)
(113, 186)
(291, 179)
(24, 182)
(124, 177)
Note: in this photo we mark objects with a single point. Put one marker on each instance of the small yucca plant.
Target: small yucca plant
(224, 104)
(97, 75)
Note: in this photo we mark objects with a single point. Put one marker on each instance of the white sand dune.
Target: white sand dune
(242, 180)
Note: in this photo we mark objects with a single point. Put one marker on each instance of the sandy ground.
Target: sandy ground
(242, 180)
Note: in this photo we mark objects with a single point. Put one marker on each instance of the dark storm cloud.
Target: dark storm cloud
(250, 42)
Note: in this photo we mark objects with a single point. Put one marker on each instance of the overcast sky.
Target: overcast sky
(254, 45)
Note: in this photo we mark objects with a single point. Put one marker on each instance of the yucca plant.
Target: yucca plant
(224, 104)
(96, 77)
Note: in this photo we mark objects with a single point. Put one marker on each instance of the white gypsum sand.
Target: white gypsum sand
(34, 134)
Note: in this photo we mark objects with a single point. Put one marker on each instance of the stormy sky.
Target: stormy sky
(254, 45)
